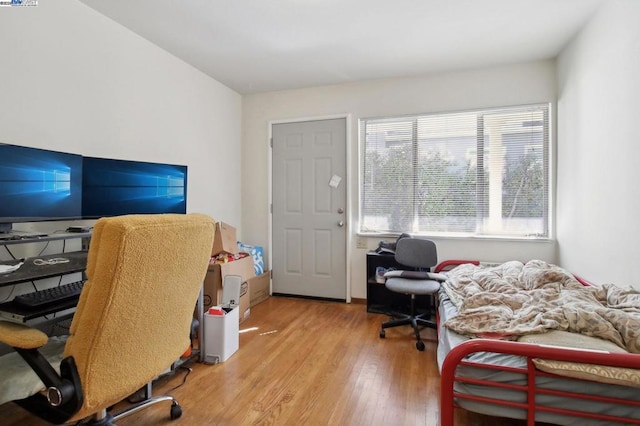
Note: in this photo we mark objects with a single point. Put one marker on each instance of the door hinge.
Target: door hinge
(271, 208)
(271, 142)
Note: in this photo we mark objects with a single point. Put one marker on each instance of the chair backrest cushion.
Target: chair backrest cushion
(134, 314)
(416, 252)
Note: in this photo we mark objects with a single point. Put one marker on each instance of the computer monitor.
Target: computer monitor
(116, 187)
(38, 184)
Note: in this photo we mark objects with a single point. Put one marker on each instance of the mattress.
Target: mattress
(448, 339)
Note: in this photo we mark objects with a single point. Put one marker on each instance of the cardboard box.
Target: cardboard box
(260, 288)
(224, 239)
(213, 284)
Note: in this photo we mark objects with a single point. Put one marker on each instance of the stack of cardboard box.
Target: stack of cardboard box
(225, 246)
(255, 289)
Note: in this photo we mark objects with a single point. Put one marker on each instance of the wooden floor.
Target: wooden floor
(304, 362)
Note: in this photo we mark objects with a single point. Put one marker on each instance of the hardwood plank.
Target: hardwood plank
(306, 362)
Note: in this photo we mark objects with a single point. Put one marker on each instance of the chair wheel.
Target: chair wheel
(382, 334)
(420, 345)
(176, 411)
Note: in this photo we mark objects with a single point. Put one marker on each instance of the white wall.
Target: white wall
(508, 85)
(73, 80)
(599, 147)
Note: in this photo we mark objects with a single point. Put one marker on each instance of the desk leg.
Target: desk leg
(199, 309)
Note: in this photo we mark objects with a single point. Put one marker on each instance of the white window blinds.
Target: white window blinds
(483, 173)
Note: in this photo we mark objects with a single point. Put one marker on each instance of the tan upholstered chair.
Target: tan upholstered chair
(133, 318)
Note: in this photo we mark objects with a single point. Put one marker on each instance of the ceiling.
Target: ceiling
(265, 45)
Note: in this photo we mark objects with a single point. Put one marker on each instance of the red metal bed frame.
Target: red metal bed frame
(456, 357)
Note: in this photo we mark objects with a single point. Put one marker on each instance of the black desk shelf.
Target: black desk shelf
(50, 237)
(38, 268)
(382, 301)
(16, 313)
(29, 271)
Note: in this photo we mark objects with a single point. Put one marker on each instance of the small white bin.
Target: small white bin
(221, 332)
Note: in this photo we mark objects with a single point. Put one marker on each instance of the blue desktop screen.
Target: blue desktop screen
(115, 187)
(39, 184)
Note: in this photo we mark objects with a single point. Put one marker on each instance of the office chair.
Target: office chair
(132, 321)
(421, 255)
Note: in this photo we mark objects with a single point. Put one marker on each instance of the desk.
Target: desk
(379, 298)
(30, 272)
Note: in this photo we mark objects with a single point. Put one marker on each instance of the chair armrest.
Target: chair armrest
(64, 395)
(21, 336)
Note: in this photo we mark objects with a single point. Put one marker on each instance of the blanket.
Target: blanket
(514, 299)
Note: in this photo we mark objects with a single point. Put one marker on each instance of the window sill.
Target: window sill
(462, 237)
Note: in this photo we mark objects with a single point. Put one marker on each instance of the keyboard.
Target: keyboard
(49, 296)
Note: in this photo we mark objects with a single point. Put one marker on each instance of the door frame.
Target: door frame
(349, 216)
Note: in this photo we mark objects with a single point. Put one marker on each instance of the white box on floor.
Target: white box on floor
(221, 332)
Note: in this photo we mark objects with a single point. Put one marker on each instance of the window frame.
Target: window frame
(547, 173)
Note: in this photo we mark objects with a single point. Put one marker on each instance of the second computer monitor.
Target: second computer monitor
(115, 187)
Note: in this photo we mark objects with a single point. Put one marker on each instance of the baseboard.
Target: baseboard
(299, 296)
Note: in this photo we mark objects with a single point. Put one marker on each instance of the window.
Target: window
(472, 173)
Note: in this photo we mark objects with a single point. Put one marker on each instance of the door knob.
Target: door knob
(340, 210)
(340, 223)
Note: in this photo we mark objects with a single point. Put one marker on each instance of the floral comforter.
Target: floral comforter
(514, 299)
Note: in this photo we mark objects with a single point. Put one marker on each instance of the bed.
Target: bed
(531, 341)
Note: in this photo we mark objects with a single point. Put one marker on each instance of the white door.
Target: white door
(309, 209)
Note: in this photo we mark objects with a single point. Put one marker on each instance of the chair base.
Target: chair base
(104, 418)
(415, 321)
(100, 419)
(175, 412)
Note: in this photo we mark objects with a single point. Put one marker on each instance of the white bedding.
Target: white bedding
(515, 299)
(448, 339)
